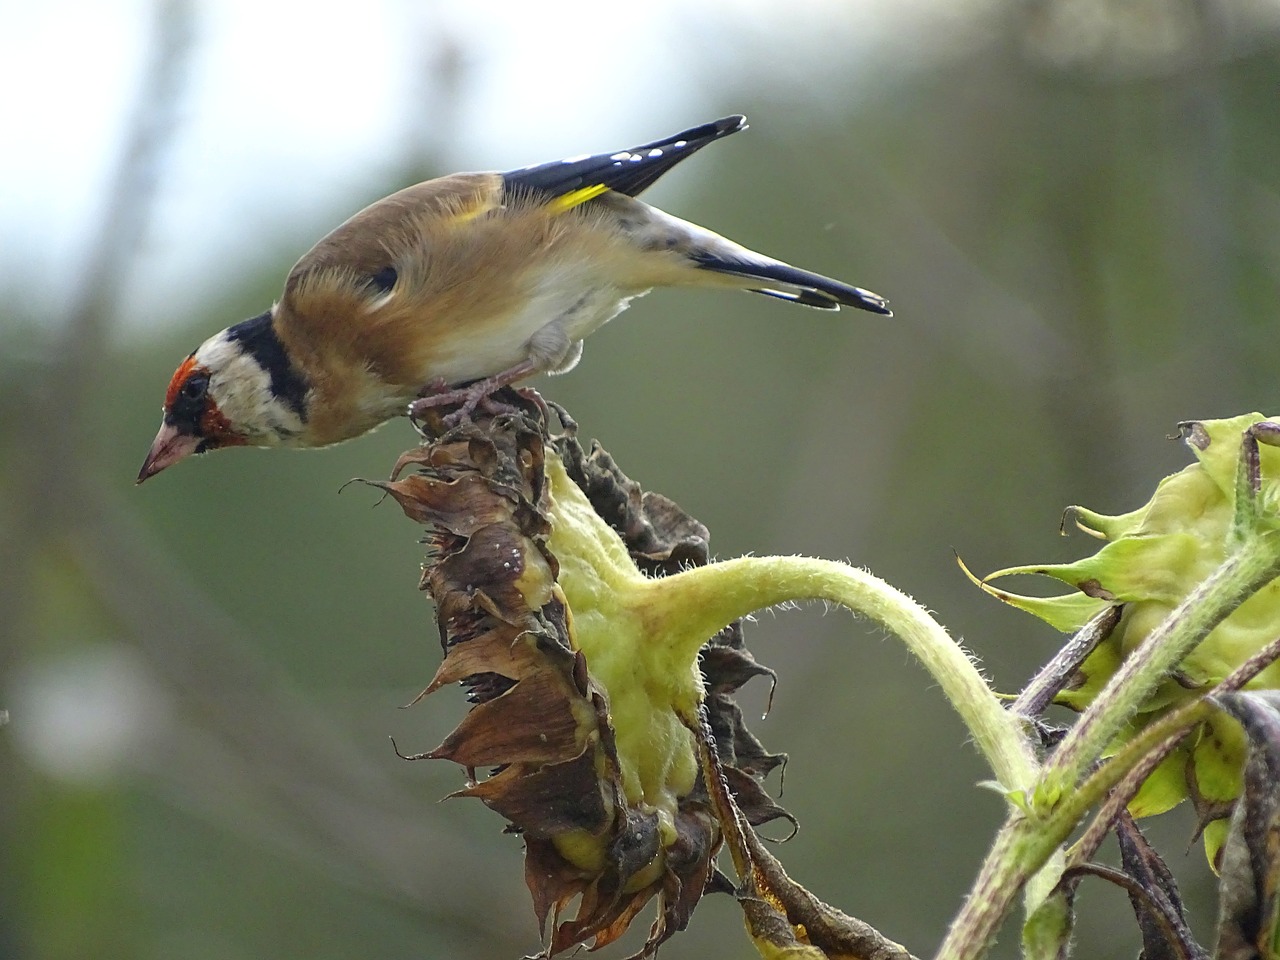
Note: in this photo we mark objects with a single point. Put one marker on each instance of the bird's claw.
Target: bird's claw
(469, 400)
(438, 394)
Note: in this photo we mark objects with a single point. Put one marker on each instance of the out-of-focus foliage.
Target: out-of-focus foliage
(1079, 243)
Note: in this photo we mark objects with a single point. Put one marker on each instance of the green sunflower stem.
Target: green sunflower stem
(1031, 840)
(1021, 848)
(706, 598)
(1027, 845)
(1252, 566)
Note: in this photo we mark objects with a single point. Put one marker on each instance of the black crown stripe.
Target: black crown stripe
(258, 337)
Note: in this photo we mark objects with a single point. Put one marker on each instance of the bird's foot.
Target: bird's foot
(480, 393)
(468, 397)
(533, 396)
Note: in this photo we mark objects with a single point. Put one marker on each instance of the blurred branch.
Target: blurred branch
(441, 68)
(317, 794)
(52, 430)
(55, 419)
(314, 793)
(58, 415)
(130, 203)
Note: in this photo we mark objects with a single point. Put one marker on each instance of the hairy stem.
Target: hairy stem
(722, 592)
(1026, 845)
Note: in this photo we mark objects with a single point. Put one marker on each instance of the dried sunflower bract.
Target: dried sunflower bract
(583, 702)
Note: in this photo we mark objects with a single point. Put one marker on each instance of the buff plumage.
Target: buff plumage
(449, 289)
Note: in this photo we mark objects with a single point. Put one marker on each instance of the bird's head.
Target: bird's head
(237, 389)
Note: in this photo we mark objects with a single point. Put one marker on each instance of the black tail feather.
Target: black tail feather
(810, 298)
(798, 286)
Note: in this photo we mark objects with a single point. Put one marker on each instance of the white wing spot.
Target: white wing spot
(681, 143)
(624, 155)
(655, 153)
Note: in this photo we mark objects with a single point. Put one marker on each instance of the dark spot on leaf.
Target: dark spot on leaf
(1092, 588)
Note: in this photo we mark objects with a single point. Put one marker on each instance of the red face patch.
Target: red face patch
(188, 406)
(216, 428)
(185, 369)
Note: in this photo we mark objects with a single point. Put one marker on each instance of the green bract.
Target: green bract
(1154, 557)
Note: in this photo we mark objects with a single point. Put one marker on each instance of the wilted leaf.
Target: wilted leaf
(539, 716)
(1158, 907)
(1248, 921)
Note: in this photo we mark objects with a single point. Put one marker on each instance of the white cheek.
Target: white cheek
(242, 391)
(250, 405)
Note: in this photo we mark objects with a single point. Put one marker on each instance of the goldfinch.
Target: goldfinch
(471, 281)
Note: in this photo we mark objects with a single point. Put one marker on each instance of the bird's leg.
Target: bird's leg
(472, 395)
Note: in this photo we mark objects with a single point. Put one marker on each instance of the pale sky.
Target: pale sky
(298, 107)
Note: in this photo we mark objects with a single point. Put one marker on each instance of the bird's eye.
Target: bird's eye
(384, 279)
(195, 388)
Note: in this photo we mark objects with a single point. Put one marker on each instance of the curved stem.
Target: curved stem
(721, 592)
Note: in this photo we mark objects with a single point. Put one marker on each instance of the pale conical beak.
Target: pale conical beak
(169, 446)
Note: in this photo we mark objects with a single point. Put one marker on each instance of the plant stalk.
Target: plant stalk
(722, 592)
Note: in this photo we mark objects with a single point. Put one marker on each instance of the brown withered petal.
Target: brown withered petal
(783, 918)
(661, 538)
(738, 746)
(552, 881)
(756, 805)
(536, 714)
(549, 799)
(692, 863)
(1159, 911)
(532, 723)
(730, 663)
(1249, 914)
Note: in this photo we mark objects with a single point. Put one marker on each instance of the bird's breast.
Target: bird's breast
(561, 305)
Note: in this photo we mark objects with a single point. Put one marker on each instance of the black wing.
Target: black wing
(626, 171)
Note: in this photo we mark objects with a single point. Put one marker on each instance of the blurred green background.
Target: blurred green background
(1073, 205)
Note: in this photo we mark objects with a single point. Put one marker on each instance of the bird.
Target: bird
(450, 289)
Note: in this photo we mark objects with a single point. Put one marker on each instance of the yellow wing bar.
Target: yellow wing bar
(574, 198)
